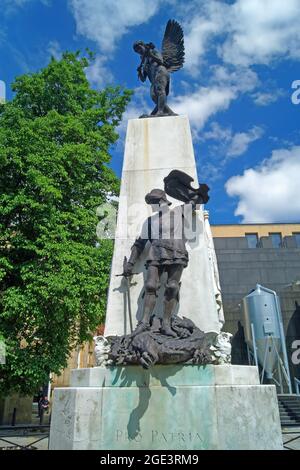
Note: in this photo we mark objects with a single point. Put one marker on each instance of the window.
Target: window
(297, 238)
(252, 240)
(276, 240)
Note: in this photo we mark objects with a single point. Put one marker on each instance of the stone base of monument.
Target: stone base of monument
(181, 407)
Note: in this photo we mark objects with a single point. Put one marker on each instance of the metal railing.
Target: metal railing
(297, 385)
(8, 433)
(290, 437)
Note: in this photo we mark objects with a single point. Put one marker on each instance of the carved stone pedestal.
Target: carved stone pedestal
(181, 407)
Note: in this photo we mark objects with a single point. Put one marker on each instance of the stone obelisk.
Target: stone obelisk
(153, 148)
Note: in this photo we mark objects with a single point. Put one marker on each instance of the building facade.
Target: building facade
(266, 254)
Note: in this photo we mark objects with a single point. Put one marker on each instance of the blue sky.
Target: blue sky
(242, 57)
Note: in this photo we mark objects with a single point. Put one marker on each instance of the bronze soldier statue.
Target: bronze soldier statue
(156, 66)
(166, 233)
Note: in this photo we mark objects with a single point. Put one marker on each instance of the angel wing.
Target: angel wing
(173, 46)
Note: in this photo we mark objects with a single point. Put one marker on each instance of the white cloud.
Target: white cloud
(243, 33)
(209, 172)
(136, 108)
(198, 33)
(54, 49)
(265, 98)
(269, 192)
(106, 21)
(138, 104)
(218, 133)
(14, 3)
(98, 73)
(261, 31)
(203, 22)
(229, 144)
(226, 83)
(202, 104)
(11, 6)
(225, 145)
(241, 140)
(17, 3)
(241, 79)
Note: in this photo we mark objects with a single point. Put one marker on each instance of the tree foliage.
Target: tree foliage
(55, 136)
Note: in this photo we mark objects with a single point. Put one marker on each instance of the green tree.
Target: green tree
(55, 136)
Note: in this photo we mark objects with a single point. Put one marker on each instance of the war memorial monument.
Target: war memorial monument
(164, 378)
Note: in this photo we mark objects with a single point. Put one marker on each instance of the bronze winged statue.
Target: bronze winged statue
(157, 66)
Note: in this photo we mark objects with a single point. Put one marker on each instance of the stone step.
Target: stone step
(293, 402)
(286, 400)
(290, 418)
(282, 414)
(287, 418)
(291, 415)
(291, 408)
(294, 407)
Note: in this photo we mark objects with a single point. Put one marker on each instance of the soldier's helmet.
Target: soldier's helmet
(156, 196)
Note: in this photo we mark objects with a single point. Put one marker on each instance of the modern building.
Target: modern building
(266, 254)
